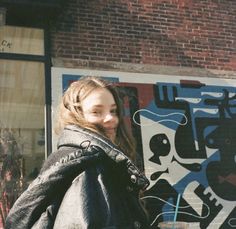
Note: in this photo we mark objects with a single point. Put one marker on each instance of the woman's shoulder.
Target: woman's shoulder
(54, 157)
(65, 155)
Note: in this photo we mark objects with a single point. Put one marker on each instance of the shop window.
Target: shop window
(22, 114)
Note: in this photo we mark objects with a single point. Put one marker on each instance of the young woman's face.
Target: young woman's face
(99, 107)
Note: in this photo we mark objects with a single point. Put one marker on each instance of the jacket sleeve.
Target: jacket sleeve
(86, 203)
(37, 206)
(97, 199)
(33, 208)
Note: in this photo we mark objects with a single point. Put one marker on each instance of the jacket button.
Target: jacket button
(133, 179)
(137, 225)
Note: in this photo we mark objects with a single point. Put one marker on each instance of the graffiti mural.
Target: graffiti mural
(185, 130)
(189, 139)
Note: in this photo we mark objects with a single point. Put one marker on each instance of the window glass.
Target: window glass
(22, 138)
(21, 40)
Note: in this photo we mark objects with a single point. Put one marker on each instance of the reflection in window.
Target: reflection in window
(22, 138)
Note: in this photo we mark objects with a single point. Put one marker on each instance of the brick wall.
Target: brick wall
(184, 33)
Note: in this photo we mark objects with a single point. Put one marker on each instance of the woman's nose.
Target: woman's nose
(108, 117)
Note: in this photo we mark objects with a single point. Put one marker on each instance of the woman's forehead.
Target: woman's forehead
(99, 97)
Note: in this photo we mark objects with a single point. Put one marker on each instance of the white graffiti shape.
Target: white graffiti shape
(162, 118)
(189, 100)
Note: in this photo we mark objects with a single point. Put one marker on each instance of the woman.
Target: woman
(89, 182)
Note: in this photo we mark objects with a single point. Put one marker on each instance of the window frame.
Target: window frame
(47, 74)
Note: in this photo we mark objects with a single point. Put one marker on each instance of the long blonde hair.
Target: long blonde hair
(70, 111)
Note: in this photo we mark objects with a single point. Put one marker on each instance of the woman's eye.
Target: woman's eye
(96, 112)
(114, 111)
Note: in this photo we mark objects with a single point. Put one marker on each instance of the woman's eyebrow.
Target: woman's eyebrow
(101, 105)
